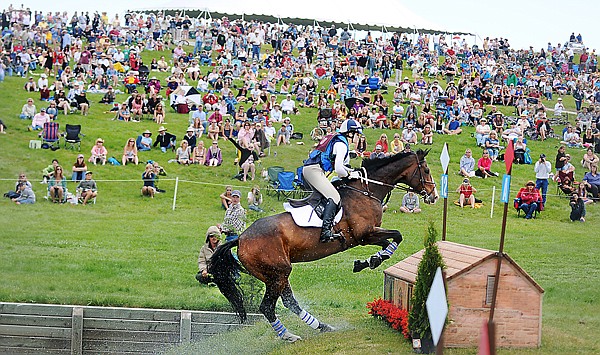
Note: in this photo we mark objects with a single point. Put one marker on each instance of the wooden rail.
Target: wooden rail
(27, 328)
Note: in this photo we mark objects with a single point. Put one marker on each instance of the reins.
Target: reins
(365, 180)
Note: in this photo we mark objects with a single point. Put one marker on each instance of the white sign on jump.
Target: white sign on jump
(445, 158)
(437, 306)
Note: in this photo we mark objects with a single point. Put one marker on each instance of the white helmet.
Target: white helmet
(350, 125)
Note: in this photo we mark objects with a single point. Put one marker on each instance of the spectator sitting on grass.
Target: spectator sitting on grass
(26, 195)
(88, 188)
(410, 203)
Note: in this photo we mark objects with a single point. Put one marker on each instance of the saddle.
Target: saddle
(308, 211)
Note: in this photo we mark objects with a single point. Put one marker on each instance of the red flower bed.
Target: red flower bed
(386, 310)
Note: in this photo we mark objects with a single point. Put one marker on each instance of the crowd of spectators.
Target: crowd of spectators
(252, 79)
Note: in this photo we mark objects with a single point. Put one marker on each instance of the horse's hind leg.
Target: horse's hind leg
(290, 302)
(267, 307)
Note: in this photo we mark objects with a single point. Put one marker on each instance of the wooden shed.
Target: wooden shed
(470, 277)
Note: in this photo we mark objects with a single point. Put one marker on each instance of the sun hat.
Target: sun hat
(99, 140)
(147, 132)
(530, 183)
(190, 129)
(213, 231)
(162, 128)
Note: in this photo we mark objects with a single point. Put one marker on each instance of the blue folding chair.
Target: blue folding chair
(285, 184)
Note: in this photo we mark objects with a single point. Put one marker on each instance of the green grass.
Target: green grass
(132, 251)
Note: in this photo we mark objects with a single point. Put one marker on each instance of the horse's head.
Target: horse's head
(405, 168)
(418, 177)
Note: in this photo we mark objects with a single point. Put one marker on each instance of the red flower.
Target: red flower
(386, 310)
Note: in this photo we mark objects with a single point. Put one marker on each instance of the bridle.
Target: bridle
(366, 180)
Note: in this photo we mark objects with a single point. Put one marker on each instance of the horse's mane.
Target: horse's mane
(374, 164)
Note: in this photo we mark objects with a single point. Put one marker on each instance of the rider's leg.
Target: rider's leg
(289, 301)
(328, 216)
(316, 178)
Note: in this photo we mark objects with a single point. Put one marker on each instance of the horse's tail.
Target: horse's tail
(225, 268)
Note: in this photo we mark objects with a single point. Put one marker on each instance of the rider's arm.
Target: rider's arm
(341, 152)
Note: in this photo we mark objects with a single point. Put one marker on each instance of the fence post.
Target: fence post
(77, 331)
(175, 192)
(493, 199)
(185, 328)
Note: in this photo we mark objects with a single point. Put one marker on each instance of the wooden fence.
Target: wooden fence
(57, 329)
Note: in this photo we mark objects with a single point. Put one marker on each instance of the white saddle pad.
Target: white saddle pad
(305, 216)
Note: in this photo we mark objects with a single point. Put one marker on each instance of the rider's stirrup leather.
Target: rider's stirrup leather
(327, 234)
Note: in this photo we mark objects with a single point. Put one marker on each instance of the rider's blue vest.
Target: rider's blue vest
(323, 153)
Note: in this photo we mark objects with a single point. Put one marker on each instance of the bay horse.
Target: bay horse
(269, 247)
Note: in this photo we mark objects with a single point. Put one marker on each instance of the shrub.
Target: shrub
(396, 317)
(432, 259)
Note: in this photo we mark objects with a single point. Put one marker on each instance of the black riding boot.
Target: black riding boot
(328, 217)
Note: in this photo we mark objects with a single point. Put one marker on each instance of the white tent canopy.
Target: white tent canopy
(379, 13)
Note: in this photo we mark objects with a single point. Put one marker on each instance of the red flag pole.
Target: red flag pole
(508, 160)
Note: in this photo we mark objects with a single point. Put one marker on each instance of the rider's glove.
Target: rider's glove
(354, 175)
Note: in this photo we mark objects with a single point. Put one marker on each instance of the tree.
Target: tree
(418, 321)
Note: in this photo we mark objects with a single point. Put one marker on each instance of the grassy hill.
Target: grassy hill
(132, 251)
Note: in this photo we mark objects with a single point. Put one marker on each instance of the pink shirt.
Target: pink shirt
(485, 163)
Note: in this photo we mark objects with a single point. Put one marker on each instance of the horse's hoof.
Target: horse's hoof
(287, 336)
(326, 328)
(360, 265)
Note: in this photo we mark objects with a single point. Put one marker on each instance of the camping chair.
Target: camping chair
(302, 188)
(50, 134)
(540, 207)
(72, 136)
(285, 184)
(374, 83)
(272, 176)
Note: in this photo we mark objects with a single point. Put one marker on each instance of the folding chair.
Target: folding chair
(50, 134)
(285, 184)
(540, 207)
(72, 136)
(272, 176)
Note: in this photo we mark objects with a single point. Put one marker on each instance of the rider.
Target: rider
(331, 154)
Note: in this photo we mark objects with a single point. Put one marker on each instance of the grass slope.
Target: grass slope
(132, 251)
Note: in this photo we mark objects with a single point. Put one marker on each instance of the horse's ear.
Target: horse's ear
(423, 153)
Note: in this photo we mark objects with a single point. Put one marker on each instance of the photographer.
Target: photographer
(255, 199)
(577, 208)
(542, 169)
(211, 243)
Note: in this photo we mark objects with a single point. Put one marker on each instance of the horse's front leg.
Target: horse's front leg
(381, 237)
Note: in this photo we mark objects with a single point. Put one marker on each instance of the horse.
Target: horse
(269, 247)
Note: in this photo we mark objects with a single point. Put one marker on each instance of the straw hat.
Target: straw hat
(162, 128)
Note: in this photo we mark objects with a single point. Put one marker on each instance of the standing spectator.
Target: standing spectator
(88, 188)
(542, 169)
(466, 193)
(410, 203)
(234, 222)
(210, 244)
